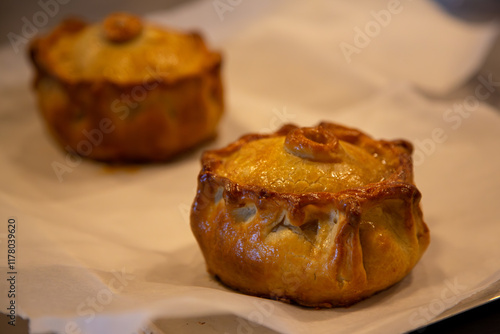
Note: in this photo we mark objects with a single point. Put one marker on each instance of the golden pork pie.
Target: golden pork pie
(126, 91)
(322, 216)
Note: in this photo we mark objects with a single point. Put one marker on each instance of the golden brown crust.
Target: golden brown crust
(318, 249)
(147, 116)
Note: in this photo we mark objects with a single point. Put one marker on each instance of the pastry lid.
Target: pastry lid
(122, 49)
(325, 158)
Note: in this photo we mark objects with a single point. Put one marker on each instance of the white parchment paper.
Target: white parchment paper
(105, 250)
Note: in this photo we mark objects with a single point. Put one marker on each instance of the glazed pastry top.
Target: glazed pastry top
(121, 49)
(307, 160)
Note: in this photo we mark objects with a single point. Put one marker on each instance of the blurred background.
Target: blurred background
(12, 11)
(27, 18)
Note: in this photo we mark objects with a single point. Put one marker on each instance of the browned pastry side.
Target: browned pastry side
(315, 247)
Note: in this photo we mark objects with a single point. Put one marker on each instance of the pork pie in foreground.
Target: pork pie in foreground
(322, 216)
(124, 91)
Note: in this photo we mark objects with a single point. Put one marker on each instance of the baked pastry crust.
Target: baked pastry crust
(159, 91)
(317, 248)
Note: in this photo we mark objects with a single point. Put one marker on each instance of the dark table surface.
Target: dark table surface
(482, 319)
